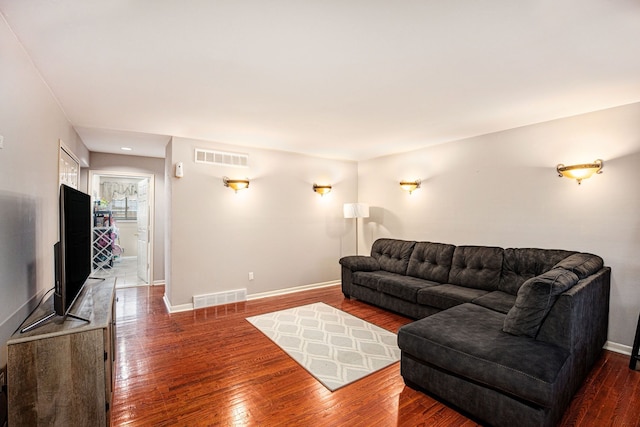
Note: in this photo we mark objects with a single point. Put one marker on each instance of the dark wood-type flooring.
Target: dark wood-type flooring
(211, 367)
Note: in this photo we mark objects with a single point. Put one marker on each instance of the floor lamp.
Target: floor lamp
(356, 210)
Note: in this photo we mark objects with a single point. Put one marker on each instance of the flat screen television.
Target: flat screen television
(73, 251)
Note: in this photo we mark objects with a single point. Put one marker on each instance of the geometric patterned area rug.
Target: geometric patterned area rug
(333, 346)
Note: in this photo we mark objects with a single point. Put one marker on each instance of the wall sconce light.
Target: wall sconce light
(322, 189)
(580, 172)
(410, 186)
(235, 184)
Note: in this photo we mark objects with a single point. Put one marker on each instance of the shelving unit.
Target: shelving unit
(103, 240)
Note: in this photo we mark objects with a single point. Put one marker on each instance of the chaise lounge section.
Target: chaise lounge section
(505, 335)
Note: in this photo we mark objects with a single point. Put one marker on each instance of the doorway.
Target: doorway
(123, 212)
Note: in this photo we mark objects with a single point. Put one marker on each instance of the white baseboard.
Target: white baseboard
(292, 290)
(176, 308)
(618, 348)
(189, 306)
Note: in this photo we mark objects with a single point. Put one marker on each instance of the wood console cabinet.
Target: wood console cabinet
(61, 373)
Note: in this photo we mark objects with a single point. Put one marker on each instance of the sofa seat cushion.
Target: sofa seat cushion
(397, 285)
(468, 341)
(369, 279)
(496, 300)
(404, 287)
(447, 296)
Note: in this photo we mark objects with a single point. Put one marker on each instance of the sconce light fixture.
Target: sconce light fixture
(321, 189)
(580, 172)
(410, 186)
(235, 184)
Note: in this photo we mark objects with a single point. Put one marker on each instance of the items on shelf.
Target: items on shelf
(105, 234)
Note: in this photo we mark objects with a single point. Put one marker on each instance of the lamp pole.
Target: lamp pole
(357, 236)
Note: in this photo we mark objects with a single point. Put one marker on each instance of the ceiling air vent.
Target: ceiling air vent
(223, 158)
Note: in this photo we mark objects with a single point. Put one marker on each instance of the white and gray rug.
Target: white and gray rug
(335, 347)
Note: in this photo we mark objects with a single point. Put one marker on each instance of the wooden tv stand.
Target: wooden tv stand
(61, 373)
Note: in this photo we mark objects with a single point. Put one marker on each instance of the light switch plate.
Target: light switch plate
(1, 141)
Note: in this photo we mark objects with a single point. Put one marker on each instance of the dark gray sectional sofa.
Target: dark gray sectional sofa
(505, 335)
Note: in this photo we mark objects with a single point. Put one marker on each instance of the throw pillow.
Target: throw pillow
(582, 264)
(535, 298)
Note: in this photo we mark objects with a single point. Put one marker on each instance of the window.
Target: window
(125, 209)
(121, 195)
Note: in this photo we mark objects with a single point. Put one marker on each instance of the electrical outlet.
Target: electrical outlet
(251, 275)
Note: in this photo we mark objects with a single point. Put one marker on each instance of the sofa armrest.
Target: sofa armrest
(354, 263)
(360, 263)
(347, 281)
(579, 320)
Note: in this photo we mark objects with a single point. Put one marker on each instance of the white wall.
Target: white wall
(32, 123)
(502, 189)
(279, 229)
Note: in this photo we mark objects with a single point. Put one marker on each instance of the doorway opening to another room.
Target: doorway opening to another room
(123, 212)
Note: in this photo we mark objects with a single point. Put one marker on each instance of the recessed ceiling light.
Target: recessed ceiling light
(126, 148)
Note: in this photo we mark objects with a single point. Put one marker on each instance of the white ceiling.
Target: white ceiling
(351, 79)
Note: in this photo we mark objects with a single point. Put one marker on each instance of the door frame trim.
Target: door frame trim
(152, 203)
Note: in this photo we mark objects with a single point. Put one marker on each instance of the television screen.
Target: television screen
(73, 252)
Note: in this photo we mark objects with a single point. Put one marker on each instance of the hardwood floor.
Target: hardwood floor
(211, 367)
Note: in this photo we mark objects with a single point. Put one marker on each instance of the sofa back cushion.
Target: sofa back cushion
(582, 264)
(535, 299)
(476, 267)
(431, 261)
(521, 264)
(392, 254)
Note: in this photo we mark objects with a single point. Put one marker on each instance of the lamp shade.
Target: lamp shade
(410, 186)
(235, 184)
(580, 172)
(321, 189)
(356, 210)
